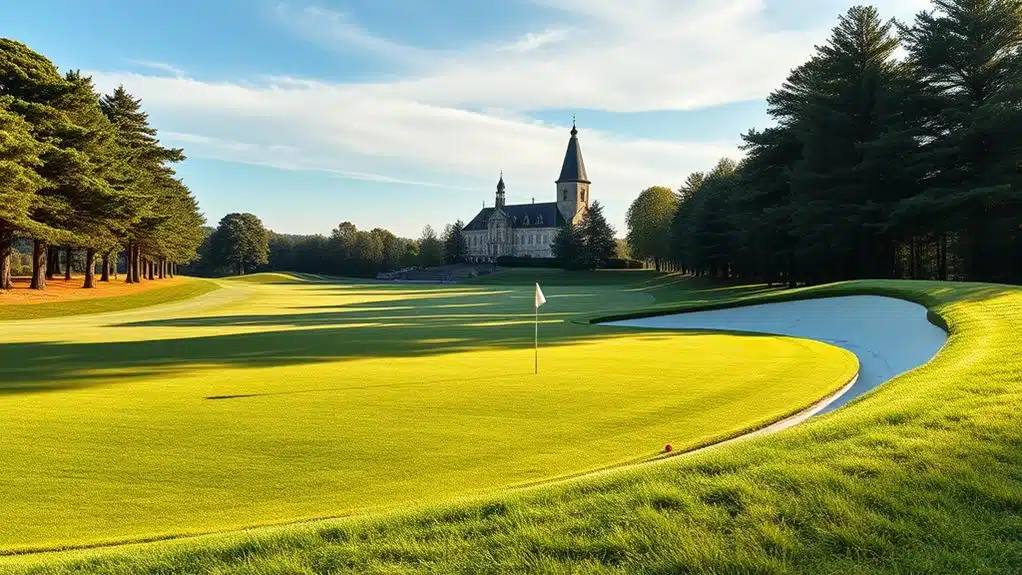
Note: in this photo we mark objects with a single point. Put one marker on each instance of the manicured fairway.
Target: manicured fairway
(274, 400)
(61, 300)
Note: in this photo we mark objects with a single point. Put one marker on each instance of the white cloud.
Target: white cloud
(532, 41)
(336, 30)
(458, 118)
(159, 66)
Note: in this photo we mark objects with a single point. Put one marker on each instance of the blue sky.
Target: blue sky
(402, 113)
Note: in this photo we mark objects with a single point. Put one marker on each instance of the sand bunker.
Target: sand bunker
(889, 336)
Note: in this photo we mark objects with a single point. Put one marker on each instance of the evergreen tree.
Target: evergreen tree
(48, 102)
(597, 235)
(431, 249)
(967, 54)
(842, 103)
(567, 246)
(19, 182)
(145, 174)
(455, 246)
(240, 242)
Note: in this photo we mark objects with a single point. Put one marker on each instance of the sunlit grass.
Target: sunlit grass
(286, 401)
(924, 475)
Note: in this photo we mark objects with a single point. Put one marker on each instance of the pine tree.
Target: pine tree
(597, 237)
(431, 249)
(841, 103)
(969, 54)
(455, 246)
(567, 246)
(19, 182)
(144, 172)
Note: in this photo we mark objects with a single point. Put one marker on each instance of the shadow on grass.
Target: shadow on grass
(424, 323)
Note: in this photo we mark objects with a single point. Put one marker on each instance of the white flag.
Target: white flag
(540, 299)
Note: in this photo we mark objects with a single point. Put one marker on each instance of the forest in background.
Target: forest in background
(896, 153)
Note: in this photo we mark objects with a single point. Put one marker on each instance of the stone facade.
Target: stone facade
(528, 230)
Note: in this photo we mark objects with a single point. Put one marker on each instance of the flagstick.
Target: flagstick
(537, 339)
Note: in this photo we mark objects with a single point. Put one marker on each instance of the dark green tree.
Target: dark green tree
(567, 246)
(455, 246)
(431, 248)
(968, 54)
(240, 242)
(19, 182)
(598, 243)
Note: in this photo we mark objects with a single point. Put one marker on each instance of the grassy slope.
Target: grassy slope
(149, 297)
(306, 400)
(924, 475)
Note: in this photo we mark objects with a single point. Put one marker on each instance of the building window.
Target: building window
(539, 220)
(565, 195)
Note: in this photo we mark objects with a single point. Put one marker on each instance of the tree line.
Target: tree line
(896, 152)
(85, 173)
(241, 244)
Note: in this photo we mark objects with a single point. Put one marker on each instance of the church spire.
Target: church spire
(500, 191)
(573, 169)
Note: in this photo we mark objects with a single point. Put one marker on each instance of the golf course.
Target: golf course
(272, 400)
(279, 416)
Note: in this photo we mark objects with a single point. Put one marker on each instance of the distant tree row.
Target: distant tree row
(241, 244)
(877, 166)
(84, 173)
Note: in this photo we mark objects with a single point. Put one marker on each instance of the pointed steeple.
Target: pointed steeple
(500, 191)
(573, 169)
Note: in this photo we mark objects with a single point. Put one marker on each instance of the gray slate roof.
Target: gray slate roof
(573, 169)
(552, 217)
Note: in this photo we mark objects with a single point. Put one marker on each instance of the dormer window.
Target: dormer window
(539, 220)
(525, 220)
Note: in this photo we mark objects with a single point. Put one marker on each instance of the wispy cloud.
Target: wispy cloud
(336, 30)
(534, 41)
(159, 67)
(458, 118)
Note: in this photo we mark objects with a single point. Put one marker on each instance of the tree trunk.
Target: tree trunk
(6, 240)
(53, 259)
(136, 264)
(170, 269)
(105, 274)
(90, 268)
(152, 270)
(241, 268)
(39, 249)
(163, 269)
(68, 253)
(128, 250)
(942, 257)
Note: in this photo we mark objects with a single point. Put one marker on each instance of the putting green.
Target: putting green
(275, 401)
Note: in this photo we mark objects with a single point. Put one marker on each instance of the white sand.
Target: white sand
(889, 336)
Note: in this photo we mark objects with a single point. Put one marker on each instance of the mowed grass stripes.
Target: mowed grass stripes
(282, 401)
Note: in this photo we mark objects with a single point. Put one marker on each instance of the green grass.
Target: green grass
(149, 297)
(266, 278)
(277, 402)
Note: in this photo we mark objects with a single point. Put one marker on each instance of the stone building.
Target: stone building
(528, 230)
